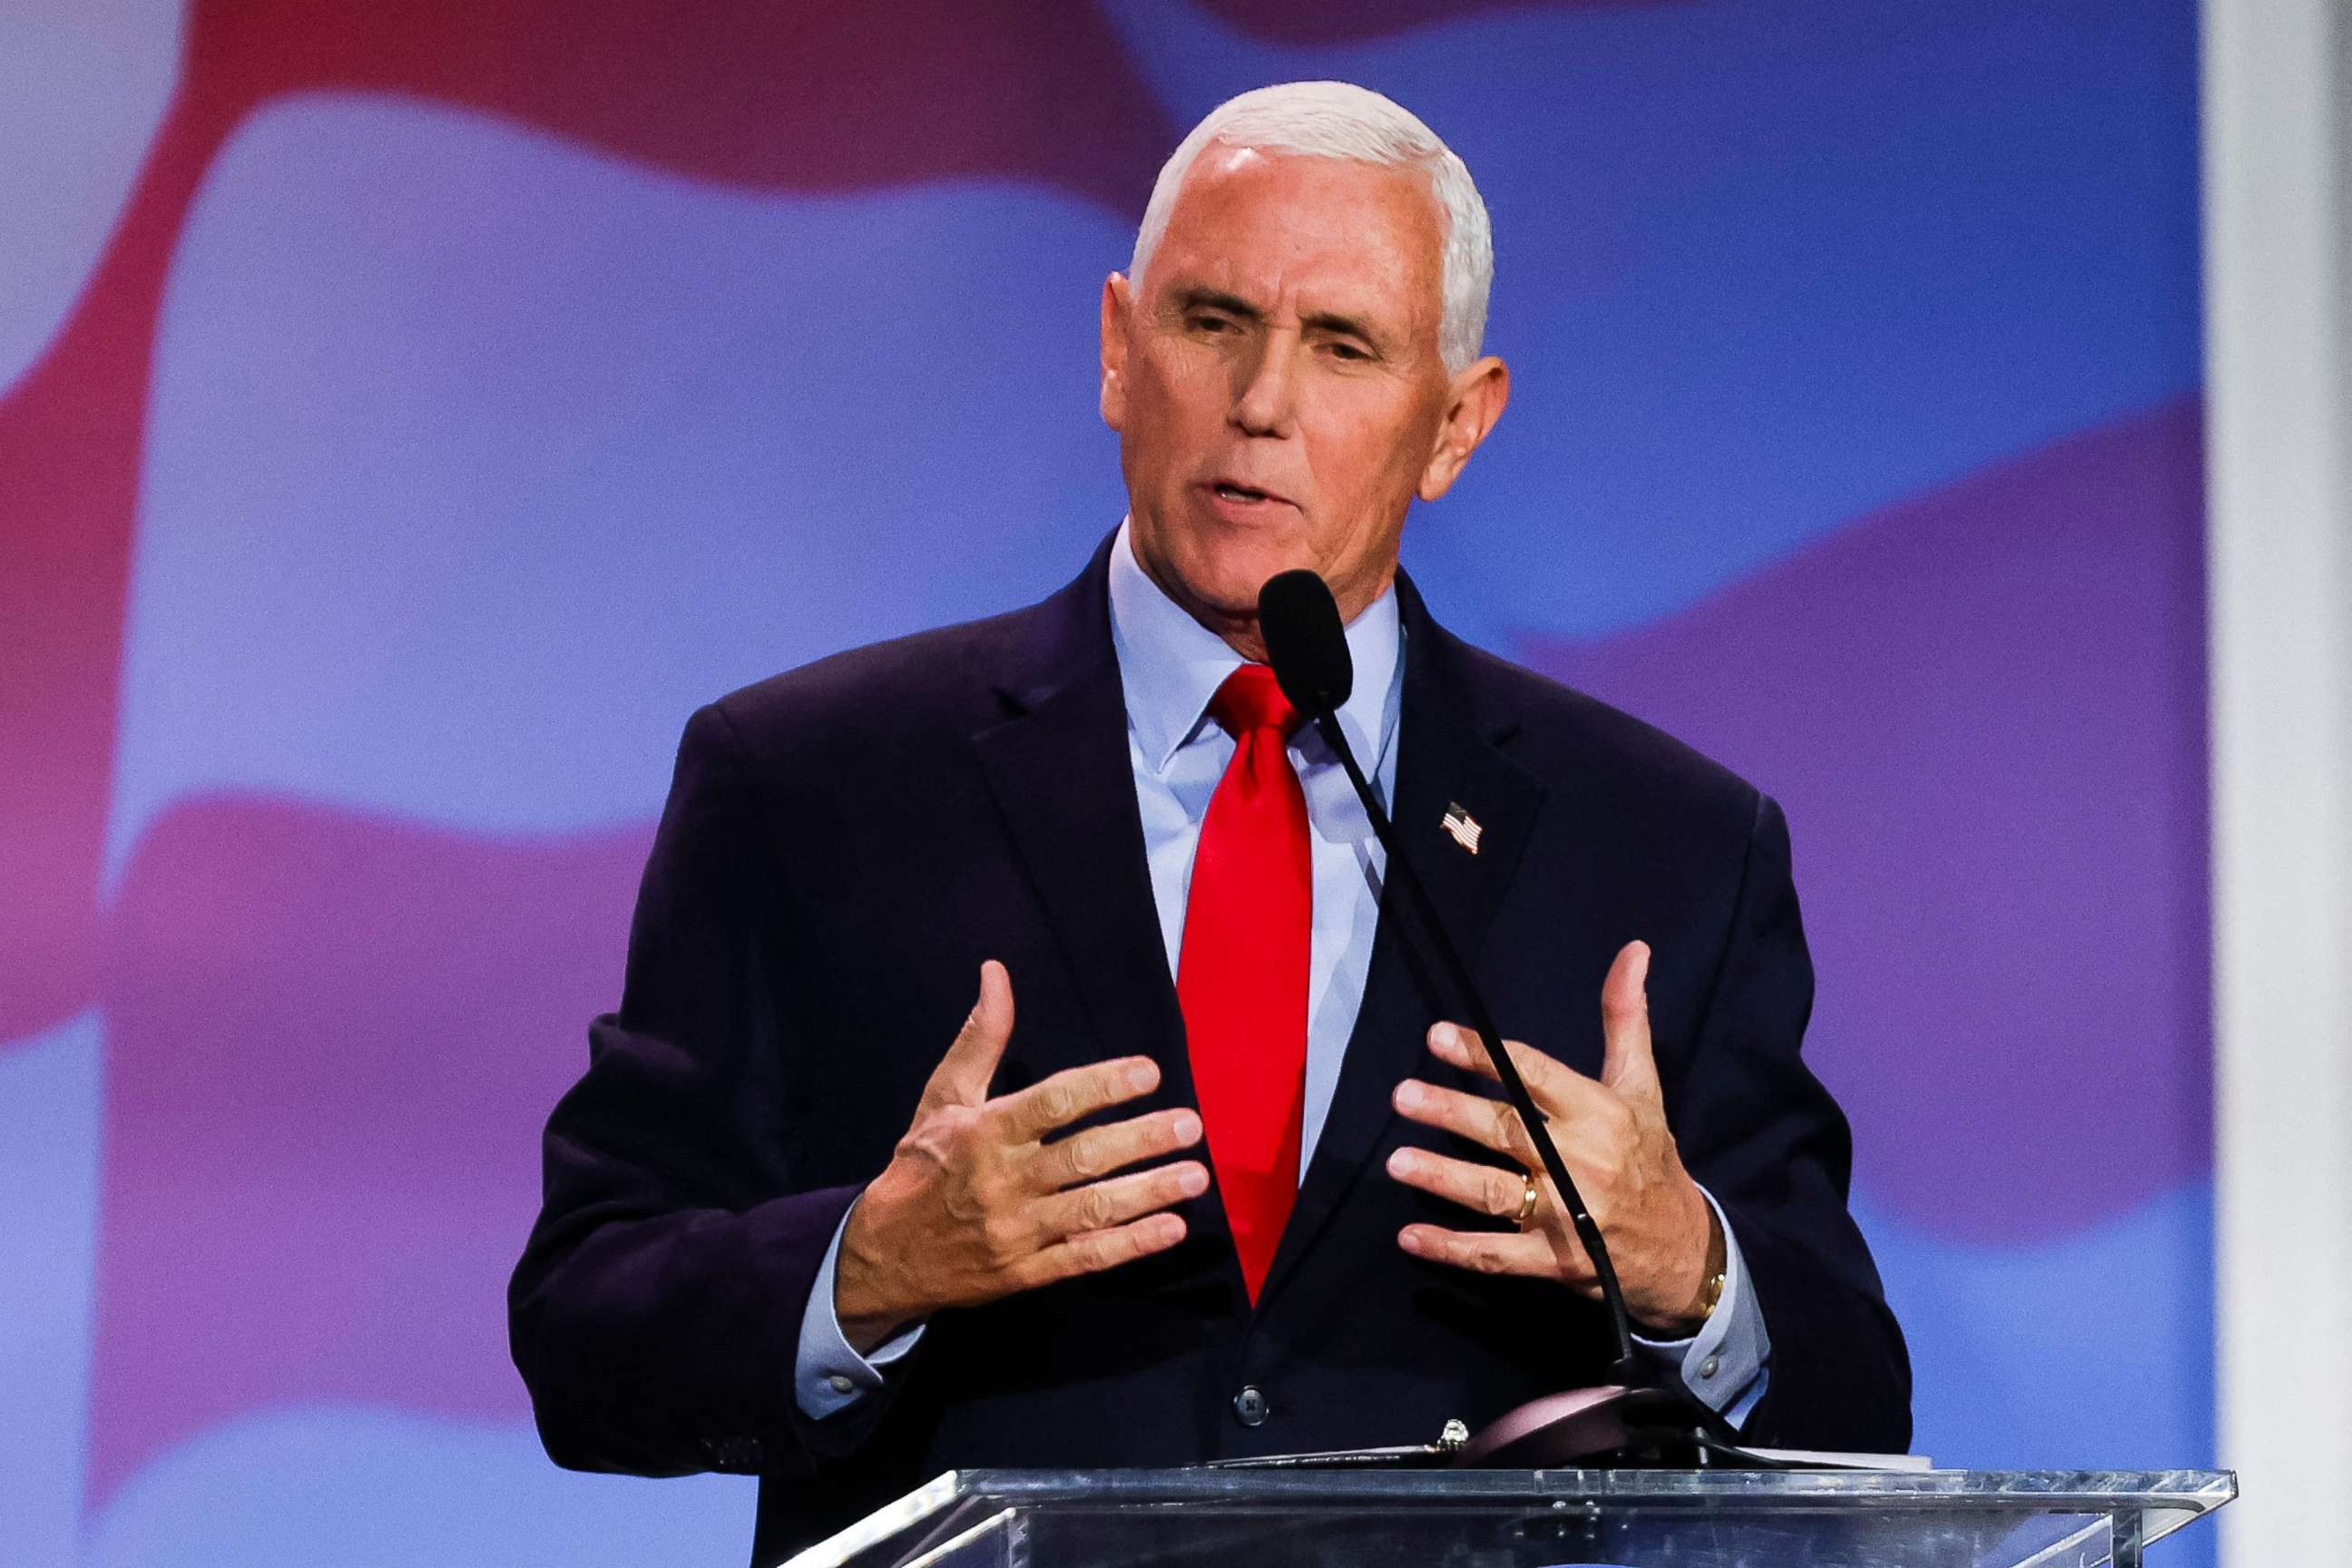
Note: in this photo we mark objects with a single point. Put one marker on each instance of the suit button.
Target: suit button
(1250, 1406)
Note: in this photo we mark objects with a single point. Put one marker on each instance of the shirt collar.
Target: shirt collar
(1170, 665)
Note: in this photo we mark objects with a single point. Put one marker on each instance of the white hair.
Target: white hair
(1341, 120)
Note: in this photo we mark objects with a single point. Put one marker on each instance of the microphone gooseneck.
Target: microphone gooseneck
(1306, 646)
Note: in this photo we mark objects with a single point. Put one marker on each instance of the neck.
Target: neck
(1237, 630)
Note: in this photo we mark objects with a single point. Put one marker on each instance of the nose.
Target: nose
(1266, 388)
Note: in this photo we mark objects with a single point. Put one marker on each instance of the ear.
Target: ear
(1118, 310)
(1475, 401)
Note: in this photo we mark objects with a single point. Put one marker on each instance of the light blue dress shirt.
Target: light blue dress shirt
(1170, 667)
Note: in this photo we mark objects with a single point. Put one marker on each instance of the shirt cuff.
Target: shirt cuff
(828, 1374)
(1726, 1362)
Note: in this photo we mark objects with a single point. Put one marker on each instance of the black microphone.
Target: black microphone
(1306, 644)
(1307, 647)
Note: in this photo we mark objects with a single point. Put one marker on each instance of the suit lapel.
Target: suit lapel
(1449, 756)
(1058, 769)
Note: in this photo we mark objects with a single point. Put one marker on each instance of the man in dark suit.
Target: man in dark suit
(1231, 1185)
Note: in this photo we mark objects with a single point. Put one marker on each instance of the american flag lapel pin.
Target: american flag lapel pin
(1462, 827)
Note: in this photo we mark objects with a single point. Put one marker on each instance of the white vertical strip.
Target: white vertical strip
(2278, 292)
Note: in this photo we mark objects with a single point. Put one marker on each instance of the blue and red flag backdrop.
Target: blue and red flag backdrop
(409, 413)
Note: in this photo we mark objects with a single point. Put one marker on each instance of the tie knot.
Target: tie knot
(1251, 699)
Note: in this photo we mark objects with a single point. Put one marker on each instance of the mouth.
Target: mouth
(1233, 493)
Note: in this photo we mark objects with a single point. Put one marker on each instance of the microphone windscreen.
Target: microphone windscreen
(1305, 642)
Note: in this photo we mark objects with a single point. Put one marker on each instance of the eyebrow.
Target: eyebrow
(1233, 305)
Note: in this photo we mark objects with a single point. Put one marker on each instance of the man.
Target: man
(1228, 1182)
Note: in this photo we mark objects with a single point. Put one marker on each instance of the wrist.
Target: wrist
(1698, 1304)
(866, 1301)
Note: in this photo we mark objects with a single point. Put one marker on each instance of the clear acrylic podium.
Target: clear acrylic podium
(1526, 1519)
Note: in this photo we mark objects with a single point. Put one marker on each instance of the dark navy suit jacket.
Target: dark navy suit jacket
(843, 845)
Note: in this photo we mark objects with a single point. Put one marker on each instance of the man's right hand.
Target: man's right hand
(975, 1205)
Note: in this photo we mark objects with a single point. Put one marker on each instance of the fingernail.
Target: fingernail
(1400, 1163)
(1168, 1229)
(1194, 1180)
(1409, 1238)
(1409, 1096)
(1141, 1076)
(1188, 1127)
(1441, 1036)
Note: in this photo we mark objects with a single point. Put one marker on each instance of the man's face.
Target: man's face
(1276, 381)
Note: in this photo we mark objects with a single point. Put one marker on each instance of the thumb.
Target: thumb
(1626, 1064)
(963, 1074)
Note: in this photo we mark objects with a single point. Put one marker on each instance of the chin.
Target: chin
(1226, 573)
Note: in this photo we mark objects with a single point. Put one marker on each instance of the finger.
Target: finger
(1095, 1250)
(1105, 1205)
(1489, 1123)
(1626, 1062)
(1488, 1190)
(963, 1074)
(1075, 1093)
(1098, 1150)
(1486, 1251)
(1558, 1089)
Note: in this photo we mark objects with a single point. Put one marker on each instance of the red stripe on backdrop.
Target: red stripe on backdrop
(330, 1042)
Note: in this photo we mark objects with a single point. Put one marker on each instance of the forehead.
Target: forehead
(1282, 228)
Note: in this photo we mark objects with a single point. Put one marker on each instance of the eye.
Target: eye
(1351, 353)
(1211, 324)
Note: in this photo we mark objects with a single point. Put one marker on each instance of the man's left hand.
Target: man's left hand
(1613, 1133)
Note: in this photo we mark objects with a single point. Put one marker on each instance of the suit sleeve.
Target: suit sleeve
(657, 1310)
(1759, 1133)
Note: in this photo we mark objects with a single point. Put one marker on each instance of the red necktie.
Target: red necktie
(1241, 973)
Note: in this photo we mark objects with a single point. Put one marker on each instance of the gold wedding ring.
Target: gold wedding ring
(1527, 1199)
